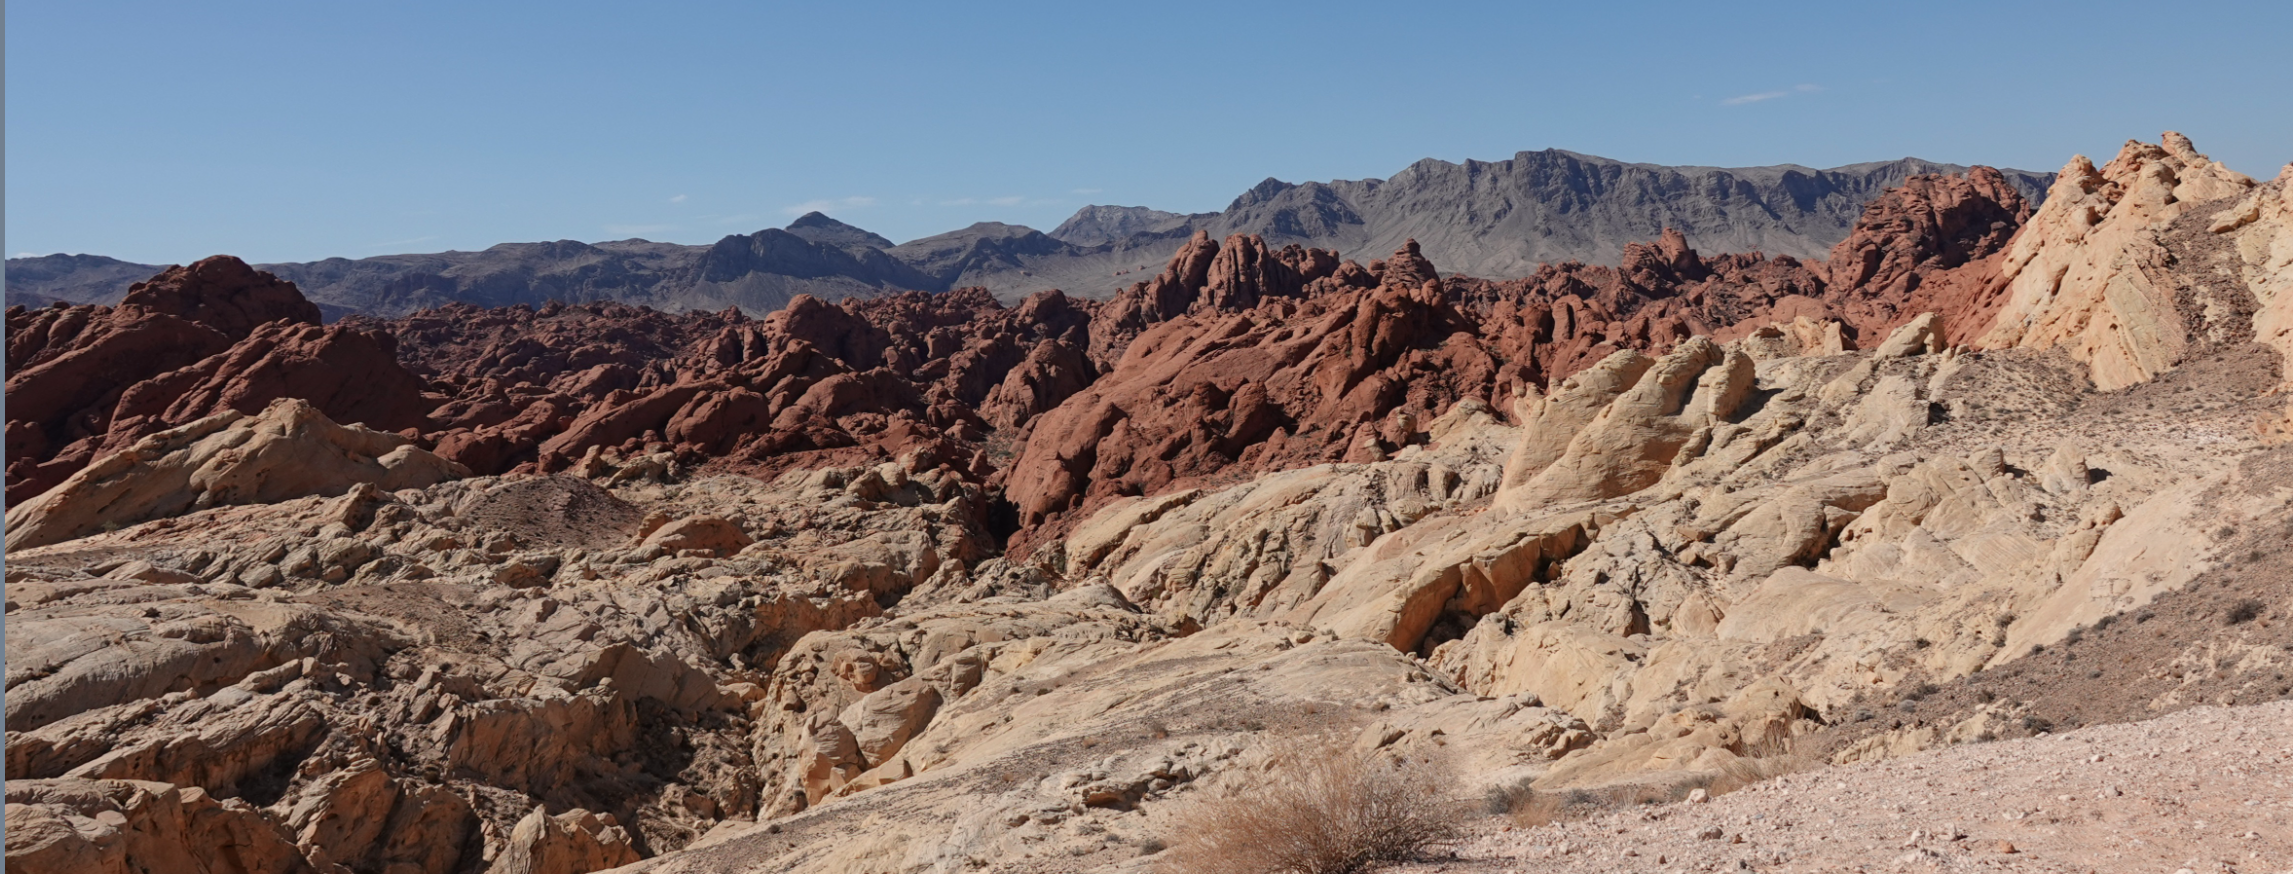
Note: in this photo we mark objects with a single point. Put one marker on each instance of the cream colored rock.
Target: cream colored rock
(1634, 439)
(885, 719)
(401, 675)
(1266, 548)
(704, 533)
(133, 827)
(1552, 421)
(1800, 336)
(1922, 335)
(2087, 273)
(573, 842)
(290, 450)
(2260, 227)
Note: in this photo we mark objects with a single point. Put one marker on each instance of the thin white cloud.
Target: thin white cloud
(960, 201)
(26, 255)
(1010, 200)
(677, 199)
(638, 230)
(1742, 99)
(826, 205)
(1086, 190)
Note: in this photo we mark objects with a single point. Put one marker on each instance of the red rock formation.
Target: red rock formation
(1290, 381)
(810, 384)
(1206, 277)
(1931, 245)
(1237, 358)
(71, 366)
(513, 377)
(352, 376)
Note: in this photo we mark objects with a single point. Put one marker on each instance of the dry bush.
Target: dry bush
(1319, 810)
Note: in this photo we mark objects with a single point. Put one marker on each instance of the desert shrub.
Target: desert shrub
(1504, 798)
(2243, 611)
(1318, 810)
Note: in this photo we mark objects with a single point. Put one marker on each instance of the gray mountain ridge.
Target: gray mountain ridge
(1494, 219)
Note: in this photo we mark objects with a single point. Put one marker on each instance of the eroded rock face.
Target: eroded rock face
(68, 366)
(2260, 228)
(1348, 374)
(808, 386)
(530, 670)
(574, 842)
(288, 451)
(124, 826)
(2095, 272)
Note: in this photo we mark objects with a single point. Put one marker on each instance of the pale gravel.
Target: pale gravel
(2208, 789)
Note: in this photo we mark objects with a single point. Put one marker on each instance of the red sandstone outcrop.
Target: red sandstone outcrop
(193, 341)
(69, 365)
(817, 384)
(1204, 276)
(1342, 374)
(1932, 245)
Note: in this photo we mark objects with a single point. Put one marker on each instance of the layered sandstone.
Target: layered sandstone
(288, 451)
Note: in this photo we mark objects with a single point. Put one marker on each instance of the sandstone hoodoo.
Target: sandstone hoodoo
(933, 581)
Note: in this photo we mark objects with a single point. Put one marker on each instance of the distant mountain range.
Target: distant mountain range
(1494, 219)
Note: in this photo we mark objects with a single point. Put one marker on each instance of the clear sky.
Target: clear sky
(165, 131)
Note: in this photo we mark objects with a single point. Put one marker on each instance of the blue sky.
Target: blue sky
(165, 131)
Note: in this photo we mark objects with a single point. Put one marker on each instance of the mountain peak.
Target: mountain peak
(1096, 224)
(818, 227)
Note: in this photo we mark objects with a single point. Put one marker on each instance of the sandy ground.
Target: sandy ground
(2209, 789)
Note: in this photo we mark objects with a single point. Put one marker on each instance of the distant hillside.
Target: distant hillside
(1490, 219)
(1501, 219)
